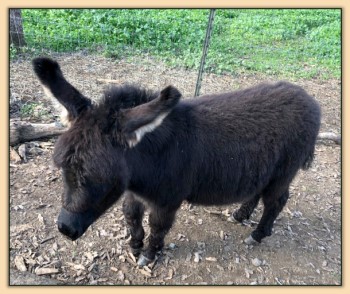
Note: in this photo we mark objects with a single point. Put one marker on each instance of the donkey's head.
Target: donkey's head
(91, 153)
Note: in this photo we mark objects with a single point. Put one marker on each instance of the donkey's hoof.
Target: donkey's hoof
(238, 217)
(251, 241)
(143, 260)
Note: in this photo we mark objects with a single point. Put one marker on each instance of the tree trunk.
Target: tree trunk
(16, 28)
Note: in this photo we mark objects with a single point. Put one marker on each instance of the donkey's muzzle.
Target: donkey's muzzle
(74, 225)
(70, 232)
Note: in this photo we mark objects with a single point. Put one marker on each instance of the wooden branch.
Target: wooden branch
(330, 136)
(21, 131)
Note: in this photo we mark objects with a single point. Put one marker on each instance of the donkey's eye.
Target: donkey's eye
(70, 177)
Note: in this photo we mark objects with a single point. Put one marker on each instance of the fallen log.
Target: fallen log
(330, 136)
(21, 131)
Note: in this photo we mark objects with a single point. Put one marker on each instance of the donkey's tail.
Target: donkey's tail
(309, 159)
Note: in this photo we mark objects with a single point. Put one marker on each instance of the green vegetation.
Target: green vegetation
(34, 110)
(288, 42)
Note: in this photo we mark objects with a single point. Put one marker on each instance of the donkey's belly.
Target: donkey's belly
(217, 198)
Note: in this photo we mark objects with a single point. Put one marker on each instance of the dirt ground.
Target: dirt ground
(203, 247)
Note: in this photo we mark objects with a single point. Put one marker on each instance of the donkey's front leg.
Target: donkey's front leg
(160, 221)
(133, 212)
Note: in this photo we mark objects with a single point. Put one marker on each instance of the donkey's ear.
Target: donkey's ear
(50, 75)
(140, 120)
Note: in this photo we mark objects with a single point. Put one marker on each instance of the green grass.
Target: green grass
(33, 110)
(300, 43)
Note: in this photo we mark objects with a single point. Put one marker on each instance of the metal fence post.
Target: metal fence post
(205, 51)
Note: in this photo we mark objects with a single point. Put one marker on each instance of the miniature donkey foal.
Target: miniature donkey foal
(213, 150)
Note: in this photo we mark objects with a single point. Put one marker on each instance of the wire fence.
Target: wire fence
(281, 43)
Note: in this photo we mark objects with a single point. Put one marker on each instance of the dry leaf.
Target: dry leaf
(132, 257)
(256, 262)
(170, 274)
(197, 257)
(76, 266)
(22, 150)
(248, 272)
(128, 259)
(180, 237)
(120, 276)
(41, 219)
(226, 212)
(212, 211)
(79, 267)
(89, 256)
(19, 262)
(145, 273)
(146, 268)
(46, 271)
(188, 257)
(14, 156)
(78, 279)
(222, 235)
(17, 229)
(220, 267)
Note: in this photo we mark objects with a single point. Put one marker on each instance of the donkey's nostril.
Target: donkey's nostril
(71, 233)
(74, 224)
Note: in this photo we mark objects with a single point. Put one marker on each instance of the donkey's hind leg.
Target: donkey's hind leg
(133, 212)
(246, 209)
(273, 205)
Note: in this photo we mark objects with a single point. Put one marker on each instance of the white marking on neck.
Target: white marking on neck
(150, 127)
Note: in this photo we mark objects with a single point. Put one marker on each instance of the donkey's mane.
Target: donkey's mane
(126, 96)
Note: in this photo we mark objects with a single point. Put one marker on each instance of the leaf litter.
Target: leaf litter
(307, 231)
